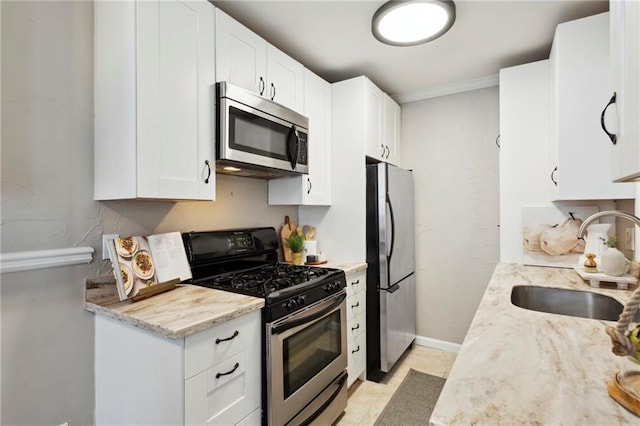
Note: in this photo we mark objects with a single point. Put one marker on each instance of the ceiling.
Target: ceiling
(334, 40)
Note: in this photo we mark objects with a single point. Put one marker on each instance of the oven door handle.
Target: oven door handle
(296, 321)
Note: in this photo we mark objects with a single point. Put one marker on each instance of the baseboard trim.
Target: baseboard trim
(442, 345)
(41, 259)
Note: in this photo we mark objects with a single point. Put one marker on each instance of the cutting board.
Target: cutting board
(287, 229)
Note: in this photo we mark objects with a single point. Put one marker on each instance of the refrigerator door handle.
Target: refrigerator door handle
(391, 289)
(393, 229)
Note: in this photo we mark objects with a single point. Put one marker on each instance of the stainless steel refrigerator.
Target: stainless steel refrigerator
(391, 290)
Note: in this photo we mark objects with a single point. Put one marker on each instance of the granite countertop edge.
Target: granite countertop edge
(179, 313)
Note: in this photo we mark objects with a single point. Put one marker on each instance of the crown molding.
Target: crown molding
(448, 89)
(40, 259)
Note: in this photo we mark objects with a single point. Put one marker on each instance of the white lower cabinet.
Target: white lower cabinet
(356, 326)
(211, 377)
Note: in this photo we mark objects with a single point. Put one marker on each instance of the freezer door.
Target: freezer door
(397, 321)
(399, 222)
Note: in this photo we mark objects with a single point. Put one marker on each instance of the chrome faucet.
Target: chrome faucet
(618, 213)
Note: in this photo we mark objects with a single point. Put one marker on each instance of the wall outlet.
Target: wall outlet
(629, 238)
(105, 250)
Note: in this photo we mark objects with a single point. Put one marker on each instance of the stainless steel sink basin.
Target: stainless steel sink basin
(575, 303)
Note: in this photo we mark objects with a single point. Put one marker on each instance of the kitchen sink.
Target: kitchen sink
(575, 303)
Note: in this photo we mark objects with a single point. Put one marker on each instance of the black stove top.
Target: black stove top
(245, 261)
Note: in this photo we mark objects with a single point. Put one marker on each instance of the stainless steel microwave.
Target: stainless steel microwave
(257, 137)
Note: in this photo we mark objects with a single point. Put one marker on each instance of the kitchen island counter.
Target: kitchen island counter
(518, 366)
(176, 314)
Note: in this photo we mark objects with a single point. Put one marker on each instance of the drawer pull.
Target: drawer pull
(235, 367)
(355, 282)
(356, 350)
(356, 327)
(233, 336)
(356, 305)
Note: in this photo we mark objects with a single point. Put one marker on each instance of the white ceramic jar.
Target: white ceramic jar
(613, 262)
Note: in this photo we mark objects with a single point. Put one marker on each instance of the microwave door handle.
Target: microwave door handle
(293, 151)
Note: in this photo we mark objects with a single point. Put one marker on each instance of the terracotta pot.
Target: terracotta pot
(296, 258)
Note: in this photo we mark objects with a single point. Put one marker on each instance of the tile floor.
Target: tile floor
(368, 399)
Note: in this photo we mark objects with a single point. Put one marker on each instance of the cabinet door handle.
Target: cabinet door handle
(356, 282)
(273, 91)
(235, 367)
(612, 136)
(555, 182)
(206, 163)
(382, 155)
(388, 151)
(261, 86)
(233, 336)
(355, 306)
(356, 327)
(498, 141)
(356, 350)
(309, 190)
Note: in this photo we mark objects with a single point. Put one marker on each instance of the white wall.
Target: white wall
(449, 142)
(47, 203)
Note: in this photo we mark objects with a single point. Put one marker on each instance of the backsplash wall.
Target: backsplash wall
(47, 203)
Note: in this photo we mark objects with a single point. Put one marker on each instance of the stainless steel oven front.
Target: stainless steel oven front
(306, 364)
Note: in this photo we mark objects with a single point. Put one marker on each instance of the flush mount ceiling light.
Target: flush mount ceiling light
(412, 22)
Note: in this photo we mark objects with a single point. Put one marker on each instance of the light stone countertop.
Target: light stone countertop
(518, 366)
(347, 267)
(178, 313)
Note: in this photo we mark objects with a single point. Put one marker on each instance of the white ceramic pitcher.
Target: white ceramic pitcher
(594, 242)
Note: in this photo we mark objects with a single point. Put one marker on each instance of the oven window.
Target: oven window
(309, 351)
(250, 133)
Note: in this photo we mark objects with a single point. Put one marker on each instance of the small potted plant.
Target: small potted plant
(613, 262)
(295, 242)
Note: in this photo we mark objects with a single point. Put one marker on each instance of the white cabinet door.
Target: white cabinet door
(625, 73)
(375, 121)
(176, 66)
(246, 60)
(580, 86)
(392, 130)
(315, 187)
(154, 99)
(524, 146)
(241, 55)
(286, 79)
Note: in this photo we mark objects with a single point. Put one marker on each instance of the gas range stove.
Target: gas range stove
(246, 261)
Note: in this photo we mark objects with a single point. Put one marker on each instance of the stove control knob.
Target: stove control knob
(300, 301)
(291, 304)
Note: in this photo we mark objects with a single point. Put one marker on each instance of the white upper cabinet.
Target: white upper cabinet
(392, 130)
(375, 121)
(315, 187)
(246, 60)
(154, 88)
(285, 78)
(383, 126)
(623, 117)
(579, 64)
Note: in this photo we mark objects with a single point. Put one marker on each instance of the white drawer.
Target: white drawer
(356, 304)
(226, 393)
(356, 358)
(209, 347)
(356, 326)
(356, 282)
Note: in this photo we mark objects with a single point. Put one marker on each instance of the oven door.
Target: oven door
(251, 136)
(307, 353)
